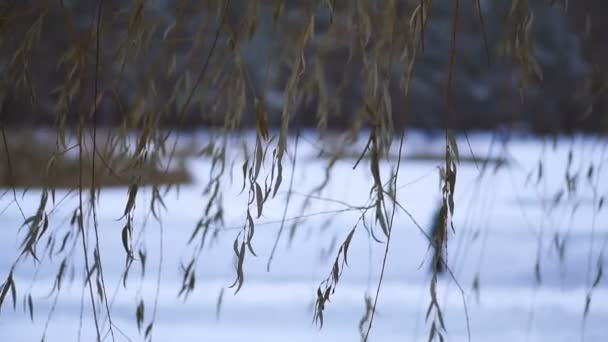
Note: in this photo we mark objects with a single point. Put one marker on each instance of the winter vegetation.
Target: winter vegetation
(303, 170)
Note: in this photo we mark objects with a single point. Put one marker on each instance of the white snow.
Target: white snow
(503, 225)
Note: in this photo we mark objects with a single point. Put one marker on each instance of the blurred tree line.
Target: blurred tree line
(330, 64)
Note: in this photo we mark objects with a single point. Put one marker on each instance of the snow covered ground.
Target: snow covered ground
(505, 222)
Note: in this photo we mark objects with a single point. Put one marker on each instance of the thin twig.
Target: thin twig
(10, 169)
(92, 193)
(81, 222)
(199, 78)
(276, 241)
(388, 241)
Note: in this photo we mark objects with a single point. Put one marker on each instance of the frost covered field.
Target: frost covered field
(506, 223)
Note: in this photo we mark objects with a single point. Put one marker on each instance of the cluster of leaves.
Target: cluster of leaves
(328, 286)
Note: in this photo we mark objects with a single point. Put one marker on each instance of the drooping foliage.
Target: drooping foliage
(117, 81)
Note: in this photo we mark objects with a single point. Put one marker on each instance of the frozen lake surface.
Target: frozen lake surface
(505, 222)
